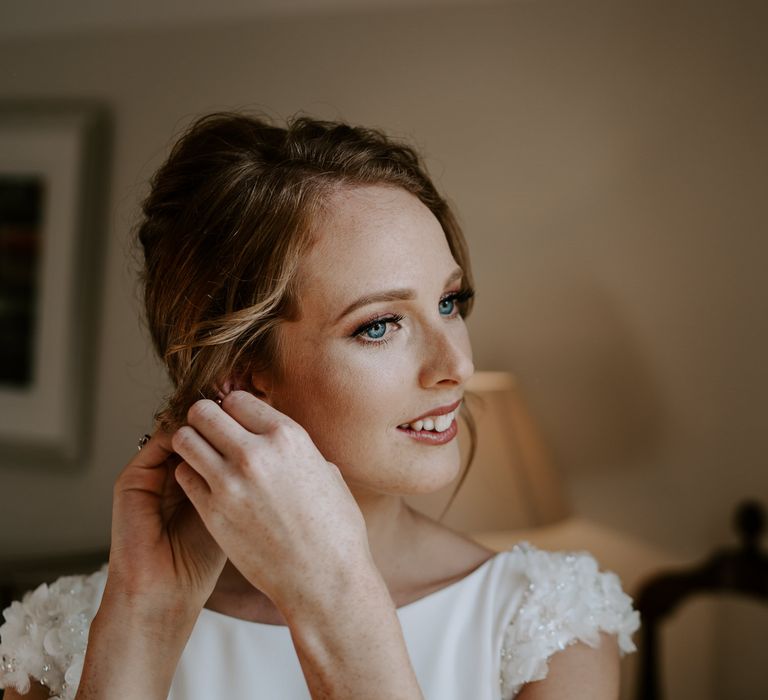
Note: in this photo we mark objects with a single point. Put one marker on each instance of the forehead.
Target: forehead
(373, 238)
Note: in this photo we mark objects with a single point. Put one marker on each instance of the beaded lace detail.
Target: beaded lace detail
(567, 600)
(44, 636)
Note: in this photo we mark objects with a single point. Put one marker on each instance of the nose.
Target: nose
(447, 356)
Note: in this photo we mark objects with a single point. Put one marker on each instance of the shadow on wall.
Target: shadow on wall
(583, 368)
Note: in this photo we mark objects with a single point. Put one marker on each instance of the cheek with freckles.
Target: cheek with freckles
(350, 401)
(343, 405)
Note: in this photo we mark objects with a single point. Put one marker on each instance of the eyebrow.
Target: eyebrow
(393, 295)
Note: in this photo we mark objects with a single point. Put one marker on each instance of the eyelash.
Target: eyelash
(459, 298)
(380, 320)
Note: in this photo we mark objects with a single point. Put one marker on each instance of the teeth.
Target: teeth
(437, 424)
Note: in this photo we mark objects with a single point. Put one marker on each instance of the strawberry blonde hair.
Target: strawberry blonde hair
(227, 220)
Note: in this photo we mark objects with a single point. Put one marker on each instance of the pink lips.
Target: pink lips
(430, 437)
(435, 412)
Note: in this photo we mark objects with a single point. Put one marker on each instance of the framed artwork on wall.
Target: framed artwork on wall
(53, 167)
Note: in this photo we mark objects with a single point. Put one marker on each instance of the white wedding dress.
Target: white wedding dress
(481, 638)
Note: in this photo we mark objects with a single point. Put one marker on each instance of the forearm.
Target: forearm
(350, 643)
(132, 655)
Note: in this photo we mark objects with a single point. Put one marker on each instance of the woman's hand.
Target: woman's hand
(282, 513)
(288, 522)
(161, 553)
(163, 565)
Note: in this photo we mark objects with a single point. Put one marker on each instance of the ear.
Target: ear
(261, 385)
(241, 383)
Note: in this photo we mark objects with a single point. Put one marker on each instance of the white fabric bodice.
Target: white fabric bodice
(482, 637)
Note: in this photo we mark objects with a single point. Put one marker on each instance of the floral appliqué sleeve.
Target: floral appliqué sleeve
(45, 634)
(568, 600)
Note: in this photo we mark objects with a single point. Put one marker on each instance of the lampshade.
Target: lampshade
(511, 483)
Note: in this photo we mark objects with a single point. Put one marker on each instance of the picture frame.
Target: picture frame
(54, 158)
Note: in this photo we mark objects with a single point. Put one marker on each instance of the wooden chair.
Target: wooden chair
(742, 570)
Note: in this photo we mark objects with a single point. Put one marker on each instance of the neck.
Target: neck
(390, 524)
(414, 555)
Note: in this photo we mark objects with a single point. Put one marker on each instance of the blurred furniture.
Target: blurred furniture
(742, 570)
(511, 482)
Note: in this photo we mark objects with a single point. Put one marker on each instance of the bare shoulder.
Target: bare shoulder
(579, 672)
(36, 692)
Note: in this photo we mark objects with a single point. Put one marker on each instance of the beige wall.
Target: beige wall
(608, 161)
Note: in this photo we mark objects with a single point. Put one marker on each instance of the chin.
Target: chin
(414, 474)
(434, 483)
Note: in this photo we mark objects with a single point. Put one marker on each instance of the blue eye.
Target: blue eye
(455, 303)
(376, 330)
(447, 305)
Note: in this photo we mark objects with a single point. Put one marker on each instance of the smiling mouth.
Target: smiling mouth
(437, 424)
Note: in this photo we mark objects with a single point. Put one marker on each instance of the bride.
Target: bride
(306, 288)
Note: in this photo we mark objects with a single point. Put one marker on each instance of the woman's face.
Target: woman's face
(379, 343)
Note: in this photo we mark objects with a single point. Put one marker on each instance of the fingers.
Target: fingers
(218, 438)
(252, 413)
(155, 452)
(147, 470)
(214, 425)
(229, 425)
(193, 485)
(195, 448)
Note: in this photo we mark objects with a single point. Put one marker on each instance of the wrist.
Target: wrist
(352, 632)
(357, 586)
(131, 656)
(166, 614)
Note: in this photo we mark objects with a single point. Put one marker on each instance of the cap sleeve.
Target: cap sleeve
(44, 636)
(567, 600)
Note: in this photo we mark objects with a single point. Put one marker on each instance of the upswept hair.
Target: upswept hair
(228, 218)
